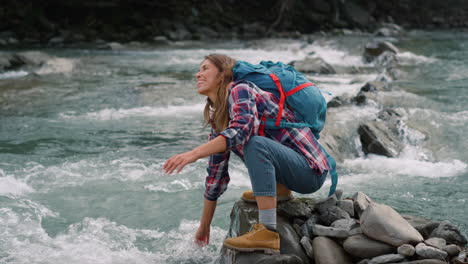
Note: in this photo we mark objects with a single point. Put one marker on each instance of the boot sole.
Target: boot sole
(267, 251)
(278, 199)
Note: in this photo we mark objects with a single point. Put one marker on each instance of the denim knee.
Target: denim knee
(254, 145)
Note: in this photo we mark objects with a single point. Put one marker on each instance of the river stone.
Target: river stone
(364, 247)
(307, 245)
(383, 223)
(355, 231)
(323, 204)
(436, 242)
(339, 193)
(313, 65)
(449, 232)
(305, 231)
(327, 251)
(424, 226)
(389, 258)
(427, 252)
(294, 209)
(361, 201)
(332, 214)
(406, 250)
(347, 224)
(374, 86)
(374, 48)
(346, 205)
(425, 261)
(364, 261)
(320, 230)
(452, 250)
(377, 138)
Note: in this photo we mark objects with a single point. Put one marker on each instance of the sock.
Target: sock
(268, 218)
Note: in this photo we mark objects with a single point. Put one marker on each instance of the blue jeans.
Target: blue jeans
(270, 162)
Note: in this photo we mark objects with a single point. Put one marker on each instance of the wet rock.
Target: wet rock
(307, 245)
(337, 102)
(452, 250)
(332, 214)
(295, 209)
(436, 242)
(363, 247)
(326, 231)
(427, 252)
(347, 206)
(406, 250)
(355, 231)
(425, 261)
(313, 65)
(323, 204)
(305, 230)
(347, 224)
(360, 98)
(387, 59)
(374, 86)
(375, 48)
(449, 232)
(377, 138)
(383, 223)
(389, 30)
(338, 193)
(361, 201)
(424, 226)
(389, 258)
(327, 251)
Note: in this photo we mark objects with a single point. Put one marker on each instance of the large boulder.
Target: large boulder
(383, 223)
(374, 49)
(243, 216)
(449, 232)
(364, 247)
(377, 138)
(20, 60)
(327, 251)
(427, 252)
(313, 65)
(361, 202)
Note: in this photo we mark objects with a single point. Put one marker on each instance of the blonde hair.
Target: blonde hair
(217, 113)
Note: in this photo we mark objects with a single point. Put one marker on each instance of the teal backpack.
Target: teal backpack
(293, 88)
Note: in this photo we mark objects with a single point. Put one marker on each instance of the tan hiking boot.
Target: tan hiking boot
(282, 195)
(259, 238)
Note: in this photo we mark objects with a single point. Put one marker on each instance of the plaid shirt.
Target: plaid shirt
(247, 105)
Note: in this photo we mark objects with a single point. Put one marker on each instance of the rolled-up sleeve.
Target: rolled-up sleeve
(243, 117)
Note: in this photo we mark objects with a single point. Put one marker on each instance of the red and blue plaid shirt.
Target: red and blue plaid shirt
(248, 104)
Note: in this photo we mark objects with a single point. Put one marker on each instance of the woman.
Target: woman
(279, 161)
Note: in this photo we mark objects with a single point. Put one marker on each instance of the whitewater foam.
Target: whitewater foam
(409, 58)
(57, 65)
(13, 74)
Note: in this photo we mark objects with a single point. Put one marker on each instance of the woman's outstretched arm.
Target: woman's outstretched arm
(202, 236)
(179, 161)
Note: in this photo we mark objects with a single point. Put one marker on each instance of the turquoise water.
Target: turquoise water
(83, 140)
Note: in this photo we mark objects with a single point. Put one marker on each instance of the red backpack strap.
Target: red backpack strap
(277, 82)
(261, 129)
(298, 88)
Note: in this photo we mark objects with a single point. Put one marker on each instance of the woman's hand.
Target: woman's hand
(202, 236)
(179, 161)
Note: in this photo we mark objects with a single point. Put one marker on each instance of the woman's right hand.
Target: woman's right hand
(202, 236)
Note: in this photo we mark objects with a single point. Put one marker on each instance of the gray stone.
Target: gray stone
(364, 261)
(460, 259)
(363, 247)
(305, 231)
(347, 224)
(295, 209)
(375, 86)
(337, 101)
(406, 250)
(436, 242)
(374, 48)
(383, 223)
(424, 226)
(332, 214)
(346, 205)
(449, 232)
(339, 193)
(313, 65)
(355, 231)
(425, 261)
(323, 204)
(307, 245)
(427, 252)
(320, 230)
(297, 228)
(452, 250)
(389, 258)
(361, 201)
(377, 138)
(327, 251)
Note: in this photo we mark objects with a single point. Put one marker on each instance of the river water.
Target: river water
(83, 140)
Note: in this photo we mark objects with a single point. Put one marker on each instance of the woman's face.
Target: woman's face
(208, 79)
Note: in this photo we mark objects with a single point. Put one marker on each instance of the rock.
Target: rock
(115, 46)
(206, 33)
(161, 40)
(307, 245)
(322, 205)
(406, 250)
(313, 65)
(355, 231)
(347, 224)
(298, 229)
(460, 259)
(347, 206)
(361, 201)
(327, 251)
(374, 86)
(295, 209)
(243, 215)
(332, 214)
(180, 33)
(338, 193)
(374, 48)
(425, 261)
(364, 261)
(320, 230)
(337, 102)
(450, 233)
(355, 15)
(424, 226)
(360, 98)
(377, 138)
(383, 223)
(452, 250)
(427, 252)
(363, 247)
(436, 242)
(387, 59)
(257, 258)
(389, 258)
(305, 231)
